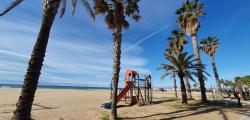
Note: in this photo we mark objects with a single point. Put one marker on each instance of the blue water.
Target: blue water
(56, 87)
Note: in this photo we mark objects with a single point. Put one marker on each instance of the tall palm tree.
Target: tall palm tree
(209, 46)
(182, 65)
(175, 47)
(25, 101)
(116, 12)
(188, 20)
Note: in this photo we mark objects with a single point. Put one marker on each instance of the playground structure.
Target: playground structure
(136, 90)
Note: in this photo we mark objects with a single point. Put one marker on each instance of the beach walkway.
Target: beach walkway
(245, 116)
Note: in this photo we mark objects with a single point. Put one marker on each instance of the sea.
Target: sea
(56, 87)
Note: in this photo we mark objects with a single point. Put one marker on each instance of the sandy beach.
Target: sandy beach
(61, 104)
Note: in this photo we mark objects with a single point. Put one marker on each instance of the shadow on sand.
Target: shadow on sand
(162, 101)
(153, 103)
(199, 109)
(41, 107)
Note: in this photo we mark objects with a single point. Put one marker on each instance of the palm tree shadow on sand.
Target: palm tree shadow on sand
(199, 108)
(162, 101)
(152, 103)
(41, 107)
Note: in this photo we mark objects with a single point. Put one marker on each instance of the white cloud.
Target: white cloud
(20, 26)
(10, 53)
(79, 50)
(81, 62)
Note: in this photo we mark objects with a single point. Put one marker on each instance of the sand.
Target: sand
(61, 104)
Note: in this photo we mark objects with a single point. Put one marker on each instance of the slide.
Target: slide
(128, 85)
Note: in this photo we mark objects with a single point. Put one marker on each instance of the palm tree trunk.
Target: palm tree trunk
(200, 75)
(188, 89)
(183, 90)
(175, 86)
(116, 68)
(25, 101)
(218, 87)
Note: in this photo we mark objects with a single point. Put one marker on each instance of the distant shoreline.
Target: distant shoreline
(56, 87)
(67, 87)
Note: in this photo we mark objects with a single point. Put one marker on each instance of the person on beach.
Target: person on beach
(228, 93)
(238, 96)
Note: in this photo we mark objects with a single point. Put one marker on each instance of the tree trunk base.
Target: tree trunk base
(191, 98)
(184, 103)
(204, 102)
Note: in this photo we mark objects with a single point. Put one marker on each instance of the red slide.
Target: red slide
(128, 85)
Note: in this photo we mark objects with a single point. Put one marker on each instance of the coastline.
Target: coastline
(56, 87)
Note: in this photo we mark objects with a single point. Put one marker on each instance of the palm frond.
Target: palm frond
(173, 60)
(12, 5)
(63, 8)
(164, 75)
(136, 17)
(191, 78)
(209, 45)
(189, 15)
(73, 6)
(109, 19)
(101, 7)
(166, 67)
(90, 11)
(176, 42)
(116, 11)
(125, 24)
(184, 65)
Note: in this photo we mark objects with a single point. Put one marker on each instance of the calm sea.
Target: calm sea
(56, 87)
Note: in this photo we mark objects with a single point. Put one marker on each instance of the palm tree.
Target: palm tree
(115, 12)
(182, 65)
(25, 101)
(174, 47)
(209, 46)
(173, 77)
(188, 20)
(188, 88)
(176, 43)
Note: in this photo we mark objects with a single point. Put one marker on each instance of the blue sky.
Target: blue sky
(80, 50)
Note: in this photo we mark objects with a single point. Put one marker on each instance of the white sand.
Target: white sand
(53, 104)
(58, 104)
